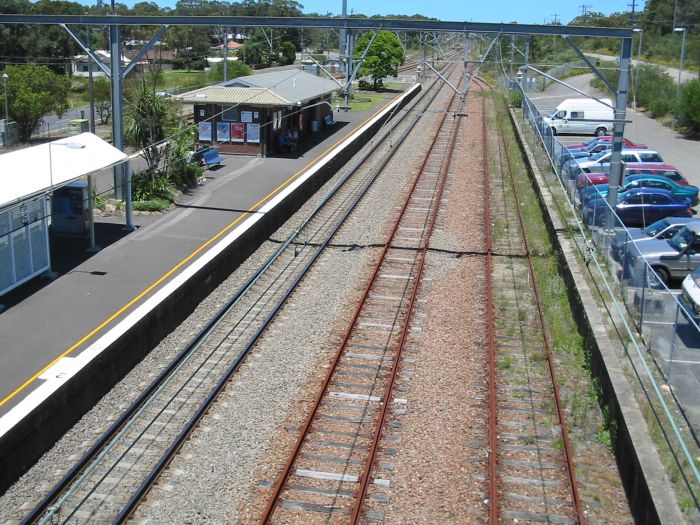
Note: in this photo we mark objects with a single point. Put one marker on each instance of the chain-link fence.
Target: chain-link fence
(657, 326)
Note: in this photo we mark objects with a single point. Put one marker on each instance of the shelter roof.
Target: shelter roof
(279, 88)
(32, 171)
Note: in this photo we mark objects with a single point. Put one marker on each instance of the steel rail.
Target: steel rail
(286, 472)
(71, 476)
(445, 169)
(568, 456)
(493, 500)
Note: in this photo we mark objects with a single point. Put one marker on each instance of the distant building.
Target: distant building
(80, 64)
(247, 115)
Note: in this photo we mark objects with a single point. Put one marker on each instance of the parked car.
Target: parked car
(566, 155)
(690, 298)
(581, 115)
(660, 230)
(607, 138)
(660, 170)
(600, 161)
(672, 258)
(641, 181)
(640, 206)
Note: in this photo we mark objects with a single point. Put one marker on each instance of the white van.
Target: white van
(598, 117)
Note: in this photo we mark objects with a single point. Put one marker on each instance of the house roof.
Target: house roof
(280, 88)
(231, 45)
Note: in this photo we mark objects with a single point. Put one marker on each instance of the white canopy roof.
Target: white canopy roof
(36, 170)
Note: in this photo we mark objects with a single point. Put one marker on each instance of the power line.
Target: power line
(584, 9)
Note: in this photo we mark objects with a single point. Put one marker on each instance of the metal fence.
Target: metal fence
(659, 333)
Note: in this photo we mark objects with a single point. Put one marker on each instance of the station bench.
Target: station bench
(211, 158)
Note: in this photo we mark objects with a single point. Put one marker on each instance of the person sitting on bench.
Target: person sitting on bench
(284, 143)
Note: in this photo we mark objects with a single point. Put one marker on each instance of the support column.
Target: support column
(115, 49)
(616, 166)
(523, 79)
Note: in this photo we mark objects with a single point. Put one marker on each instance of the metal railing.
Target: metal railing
(659, 335)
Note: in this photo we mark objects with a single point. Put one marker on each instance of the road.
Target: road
(684, 154)
(686, 75)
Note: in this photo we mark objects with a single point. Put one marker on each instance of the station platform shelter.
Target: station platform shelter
(34, 193)
(246, 115)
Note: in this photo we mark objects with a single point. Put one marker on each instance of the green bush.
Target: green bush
(656, 90)
(156, 204)
(689, 110)
(516, 98)
(185, 176)
(144, 187)
(236, 68)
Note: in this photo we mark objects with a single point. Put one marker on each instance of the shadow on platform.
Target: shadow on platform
(67, 253)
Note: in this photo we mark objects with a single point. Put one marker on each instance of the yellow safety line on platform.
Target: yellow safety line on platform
(180, 264)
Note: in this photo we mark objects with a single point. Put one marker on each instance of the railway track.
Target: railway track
(111, 479)
(333, 473)
(531, 471)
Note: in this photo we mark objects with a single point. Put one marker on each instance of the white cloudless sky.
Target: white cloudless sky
(520, 11)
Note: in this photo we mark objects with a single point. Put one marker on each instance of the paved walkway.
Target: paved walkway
(47, 319)
(686, 76)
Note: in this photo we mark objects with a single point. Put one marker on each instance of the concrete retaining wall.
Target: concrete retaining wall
(22, 446)
(649, 491)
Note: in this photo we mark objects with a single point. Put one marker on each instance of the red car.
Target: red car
(606, 138)
(662, 170)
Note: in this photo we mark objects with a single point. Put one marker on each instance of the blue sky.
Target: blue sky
(521, 11)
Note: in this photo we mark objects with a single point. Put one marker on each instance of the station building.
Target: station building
(247, 114)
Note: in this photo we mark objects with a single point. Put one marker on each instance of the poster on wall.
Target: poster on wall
(246, 116)
(223, 132)
(253, 132)
(205, 131)
(237, 132)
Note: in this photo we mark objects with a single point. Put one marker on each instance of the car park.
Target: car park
(639, 206)
(672, 258)
(660, 230)
(641, 181)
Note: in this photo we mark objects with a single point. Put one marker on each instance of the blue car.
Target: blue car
(641, 181)
(638, 207)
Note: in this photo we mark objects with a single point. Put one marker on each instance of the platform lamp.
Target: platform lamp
(683, 30)
(7, 112)
(639, 61)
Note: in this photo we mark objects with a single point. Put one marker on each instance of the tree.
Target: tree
(33, 92)
(149, 119)
(288, 53)
(383, 58)
(690, 107)
(103, 100)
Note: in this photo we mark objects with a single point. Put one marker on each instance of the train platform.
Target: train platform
(51, 328)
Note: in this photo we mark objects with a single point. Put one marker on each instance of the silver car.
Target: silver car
(672, 258)
(659, 230)
(601, 161)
